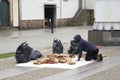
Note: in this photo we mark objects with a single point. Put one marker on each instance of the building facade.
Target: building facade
(9, 13)
(26, 14)
(107, 15)
(38, 12)
(106, 29)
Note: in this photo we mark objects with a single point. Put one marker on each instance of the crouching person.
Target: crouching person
(88, 47)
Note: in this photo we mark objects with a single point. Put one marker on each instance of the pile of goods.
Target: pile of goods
(55, 58)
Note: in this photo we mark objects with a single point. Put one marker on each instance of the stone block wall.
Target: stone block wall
(31, 24)
(34, 24)
(85, 17)
(64, 22)
(104, 38)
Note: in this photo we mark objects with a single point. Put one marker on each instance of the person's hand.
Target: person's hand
(78, 60)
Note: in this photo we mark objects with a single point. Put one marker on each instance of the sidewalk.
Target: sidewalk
(40, 39)
(110, 67)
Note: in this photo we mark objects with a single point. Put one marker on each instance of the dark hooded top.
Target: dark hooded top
(84, 45)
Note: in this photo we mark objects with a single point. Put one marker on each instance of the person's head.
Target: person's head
(77, 38)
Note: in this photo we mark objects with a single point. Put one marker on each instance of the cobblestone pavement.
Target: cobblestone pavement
(108, 69)
(39, 38)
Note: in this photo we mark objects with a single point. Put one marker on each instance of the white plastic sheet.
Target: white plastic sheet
(80, 63)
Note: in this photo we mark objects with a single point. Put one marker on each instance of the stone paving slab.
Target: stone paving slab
(89, 70)
(10, 62)
(37, 41)
(95, 68)
(28, 73)
(39, 38)
(109, 74)
(13, 73)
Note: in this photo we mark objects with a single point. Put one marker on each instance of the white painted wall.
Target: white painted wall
(107, 10)
(31, 9)
(69, 8)
(34, 9)
(15, 13)
(107, 15)
(89, 4)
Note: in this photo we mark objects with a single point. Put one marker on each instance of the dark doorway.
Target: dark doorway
(4, 13)
(50, 13)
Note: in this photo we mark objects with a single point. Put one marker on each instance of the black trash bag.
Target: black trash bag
(35, 54)
(73, 49)
(23, 53)
(57, 46)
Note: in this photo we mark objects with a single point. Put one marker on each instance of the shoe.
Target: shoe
(100, 58)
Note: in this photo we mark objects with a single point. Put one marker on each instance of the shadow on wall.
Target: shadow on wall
(105, 38)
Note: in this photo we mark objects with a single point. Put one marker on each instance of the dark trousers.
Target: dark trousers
(92, 55)
(51, 26)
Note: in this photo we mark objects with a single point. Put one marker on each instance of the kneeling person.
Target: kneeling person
(88, 47)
